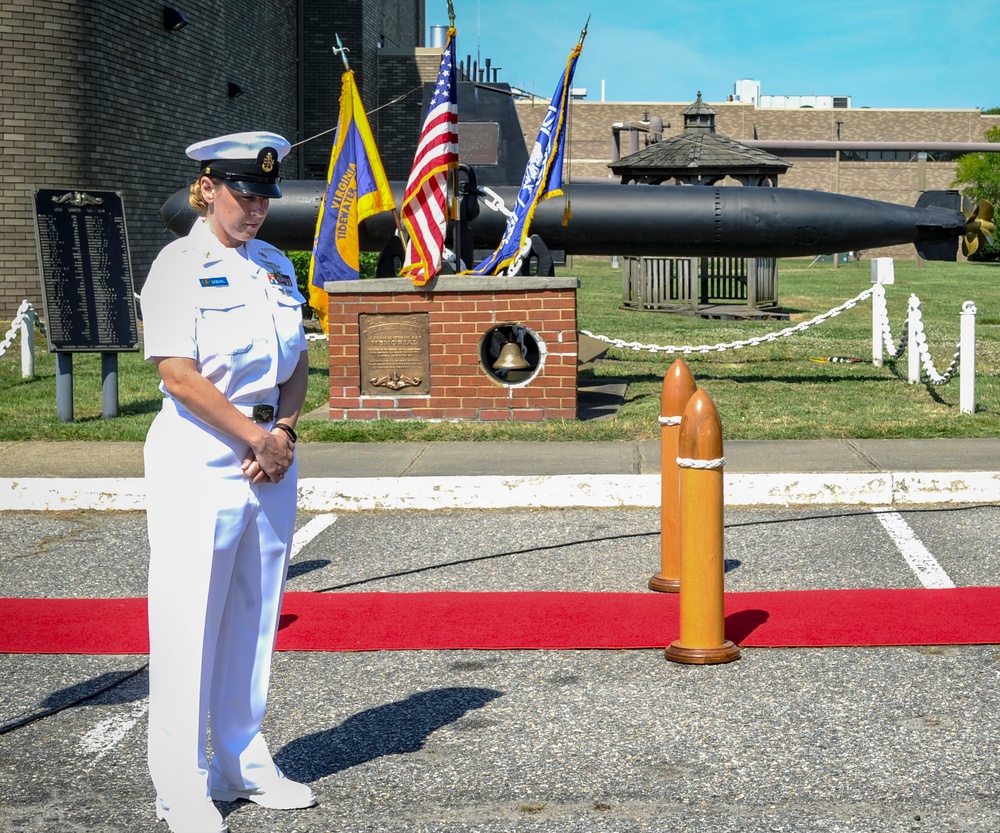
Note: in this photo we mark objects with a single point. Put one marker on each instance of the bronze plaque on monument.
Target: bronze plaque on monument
(395, 354)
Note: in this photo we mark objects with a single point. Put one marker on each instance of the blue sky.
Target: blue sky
(882, 53)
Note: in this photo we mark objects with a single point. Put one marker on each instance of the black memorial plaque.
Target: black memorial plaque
(86, 272)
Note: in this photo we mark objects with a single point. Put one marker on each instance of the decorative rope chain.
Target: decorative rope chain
(734, 345)
(895, 351)
(23, 312)
(920, 339)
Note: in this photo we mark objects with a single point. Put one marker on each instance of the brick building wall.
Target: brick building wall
(82, 112)
(367, 28)
(101, 96)
(39, 88)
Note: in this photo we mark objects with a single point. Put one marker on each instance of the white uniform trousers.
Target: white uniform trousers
(219, 551)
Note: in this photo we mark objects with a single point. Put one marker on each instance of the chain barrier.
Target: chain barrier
(734, 345)
(24, 311)
(920, 340)
(895, 350)
(915, 315)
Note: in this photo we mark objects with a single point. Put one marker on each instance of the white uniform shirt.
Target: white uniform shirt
(236, 312)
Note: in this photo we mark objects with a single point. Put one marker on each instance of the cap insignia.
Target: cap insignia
(267, 163)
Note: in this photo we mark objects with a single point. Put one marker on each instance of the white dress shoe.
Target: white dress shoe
(199, 816)
(279, 793)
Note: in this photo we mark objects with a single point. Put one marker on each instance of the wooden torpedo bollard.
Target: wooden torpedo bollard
(702, 615)
(678, 387)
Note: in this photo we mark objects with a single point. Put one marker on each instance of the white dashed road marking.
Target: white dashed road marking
(310, 531)
(930, 574)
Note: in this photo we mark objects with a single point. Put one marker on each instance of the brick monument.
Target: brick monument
(463, 347)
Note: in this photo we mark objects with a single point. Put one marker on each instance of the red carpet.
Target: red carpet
(423, 621)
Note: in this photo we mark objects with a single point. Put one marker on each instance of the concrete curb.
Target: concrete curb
(343, 494)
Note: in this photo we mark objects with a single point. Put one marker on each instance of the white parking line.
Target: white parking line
(310, 531)
(930, 574)
(107, 734)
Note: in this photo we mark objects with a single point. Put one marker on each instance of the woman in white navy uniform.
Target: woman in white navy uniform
(222, 321)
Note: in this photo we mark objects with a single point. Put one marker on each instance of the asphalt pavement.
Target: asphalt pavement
(892, 738)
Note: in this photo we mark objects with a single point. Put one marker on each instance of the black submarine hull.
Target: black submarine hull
(658, 221)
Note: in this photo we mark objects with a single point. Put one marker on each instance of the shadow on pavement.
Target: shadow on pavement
(393, 729)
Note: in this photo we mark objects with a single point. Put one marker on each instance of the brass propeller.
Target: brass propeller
(979, 225)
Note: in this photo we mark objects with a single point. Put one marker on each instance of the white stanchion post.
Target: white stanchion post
(28, 343)
(878, 311)
(912, 347)
(883, 274)
(967, 360)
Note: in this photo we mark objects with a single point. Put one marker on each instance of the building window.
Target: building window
(944, 155)
(878, 155)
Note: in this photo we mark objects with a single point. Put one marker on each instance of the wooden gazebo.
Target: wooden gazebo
(722, 286)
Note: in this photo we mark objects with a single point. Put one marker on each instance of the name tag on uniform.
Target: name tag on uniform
(214, 281)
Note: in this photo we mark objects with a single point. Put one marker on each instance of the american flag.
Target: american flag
(424, 210)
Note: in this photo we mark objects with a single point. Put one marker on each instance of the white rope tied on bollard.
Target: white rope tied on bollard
(678, 388)
(693, 463)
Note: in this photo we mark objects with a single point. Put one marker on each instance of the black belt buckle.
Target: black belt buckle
(262, 413)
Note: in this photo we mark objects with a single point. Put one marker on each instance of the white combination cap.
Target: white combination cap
(247, 162)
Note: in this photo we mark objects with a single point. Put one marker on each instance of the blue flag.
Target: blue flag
(356, 189)
(543, 176)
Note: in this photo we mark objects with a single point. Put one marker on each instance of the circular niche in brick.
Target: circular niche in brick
(510, 354)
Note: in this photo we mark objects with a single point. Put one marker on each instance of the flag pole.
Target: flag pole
(568, 208)
(455, 210)
(342, 51)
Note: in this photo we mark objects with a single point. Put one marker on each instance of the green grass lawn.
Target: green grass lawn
(770, 391)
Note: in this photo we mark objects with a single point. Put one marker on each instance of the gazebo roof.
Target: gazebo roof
(698, 152)
(706, 151)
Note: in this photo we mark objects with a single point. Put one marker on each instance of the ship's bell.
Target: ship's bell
(510, 358)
